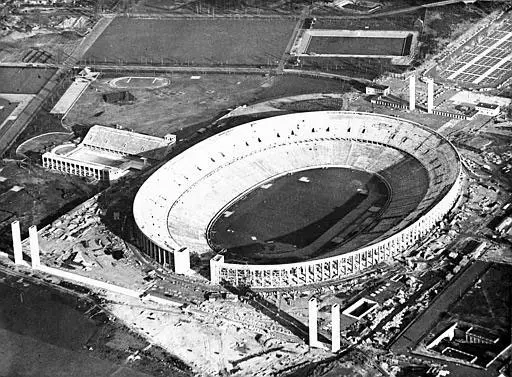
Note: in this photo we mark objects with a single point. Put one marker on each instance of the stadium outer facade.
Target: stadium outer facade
(174, 207)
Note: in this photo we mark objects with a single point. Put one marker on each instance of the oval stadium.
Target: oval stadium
(299, 199)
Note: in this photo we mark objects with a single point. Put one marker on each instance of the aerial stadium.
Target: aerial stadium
(301, 198)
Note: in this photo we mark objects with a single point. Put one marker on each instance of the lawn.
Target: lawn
(206, 42)
(186, 105)
(356, 46)
(24, 80)
(272, 223)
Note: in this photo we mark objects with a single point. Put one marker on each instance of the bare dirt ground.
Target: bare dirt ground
(212, 7)
(43, 196)
(16, 45)
(56, 332)
(187, 102)
(210, 343)
(212, 337)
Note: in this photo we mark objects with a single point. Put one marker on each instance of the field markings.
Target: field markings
(493, 68)
(479, 56)
(153, 82)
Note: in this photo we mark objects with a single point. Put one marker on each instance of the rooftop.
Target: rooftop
(487, 105)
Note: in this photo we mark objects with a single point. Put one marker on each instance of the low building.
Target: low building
(373, 89)
(119, 98)
(490, 109)
(79, 85)
(108, 154)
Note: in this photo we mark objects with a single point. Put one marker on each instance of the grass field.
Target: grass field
(45, 196)
(6, 108)
(186, 105)
(192, 41)
(271, 223)
(139, 82)
(356, 46)
(367, 68)
(403, 21)
(45, 332)
(429, 319)
(21, 80)
(488, 302)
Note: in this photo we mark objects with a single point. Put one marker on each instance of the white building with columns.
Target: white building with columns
(108, 154)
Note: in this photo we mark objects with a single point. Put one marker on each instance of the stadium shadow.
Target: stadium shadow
(310, 239)
(269, 309)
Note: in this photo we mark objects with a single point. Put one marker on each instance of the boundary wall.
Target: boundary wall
(172, 186)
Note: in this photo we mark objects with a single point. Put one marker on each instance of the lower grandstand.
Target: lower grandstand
(399, 45)
(419, 168)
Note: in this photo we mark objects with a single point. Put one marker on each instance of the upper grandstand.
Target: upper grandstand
(127, 143)
(175, 206)
(108, 153)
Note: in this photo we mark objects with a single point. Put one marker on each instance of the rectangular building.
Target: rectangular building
(489, 109)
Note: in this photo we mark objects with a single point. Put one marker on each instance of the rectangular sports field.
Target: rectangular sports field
(356, 46)
(211, 41)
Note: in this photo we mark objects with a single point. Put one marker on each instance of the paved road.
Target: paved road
(183, 69)
(441, 303)
(298, 26)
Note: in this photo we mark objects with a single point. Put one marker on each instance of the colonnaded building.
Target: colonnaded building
(242, 199)
(108, 154)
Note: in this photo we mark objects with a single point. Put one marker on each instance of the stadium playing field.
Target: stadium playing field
(205, 41)
(336, 45)
(305, 210)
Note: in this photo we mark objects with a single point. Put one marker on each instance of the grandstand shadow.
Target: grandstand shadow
(310, 239)
(353, 225)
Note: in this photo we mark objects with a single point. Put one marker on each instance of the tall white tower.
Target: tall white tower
(34, 246)
(335, 325)
(16, 242)
(313, 322)
(430, 95)
(182, 261)
(412, 92)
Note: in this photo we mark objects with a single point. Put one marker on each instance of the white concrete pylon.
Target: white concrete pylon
(182, 261)
(16, 242)
(335, 336)
(34, 246)
(313, 322)
(430, 95)
(412, 92)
